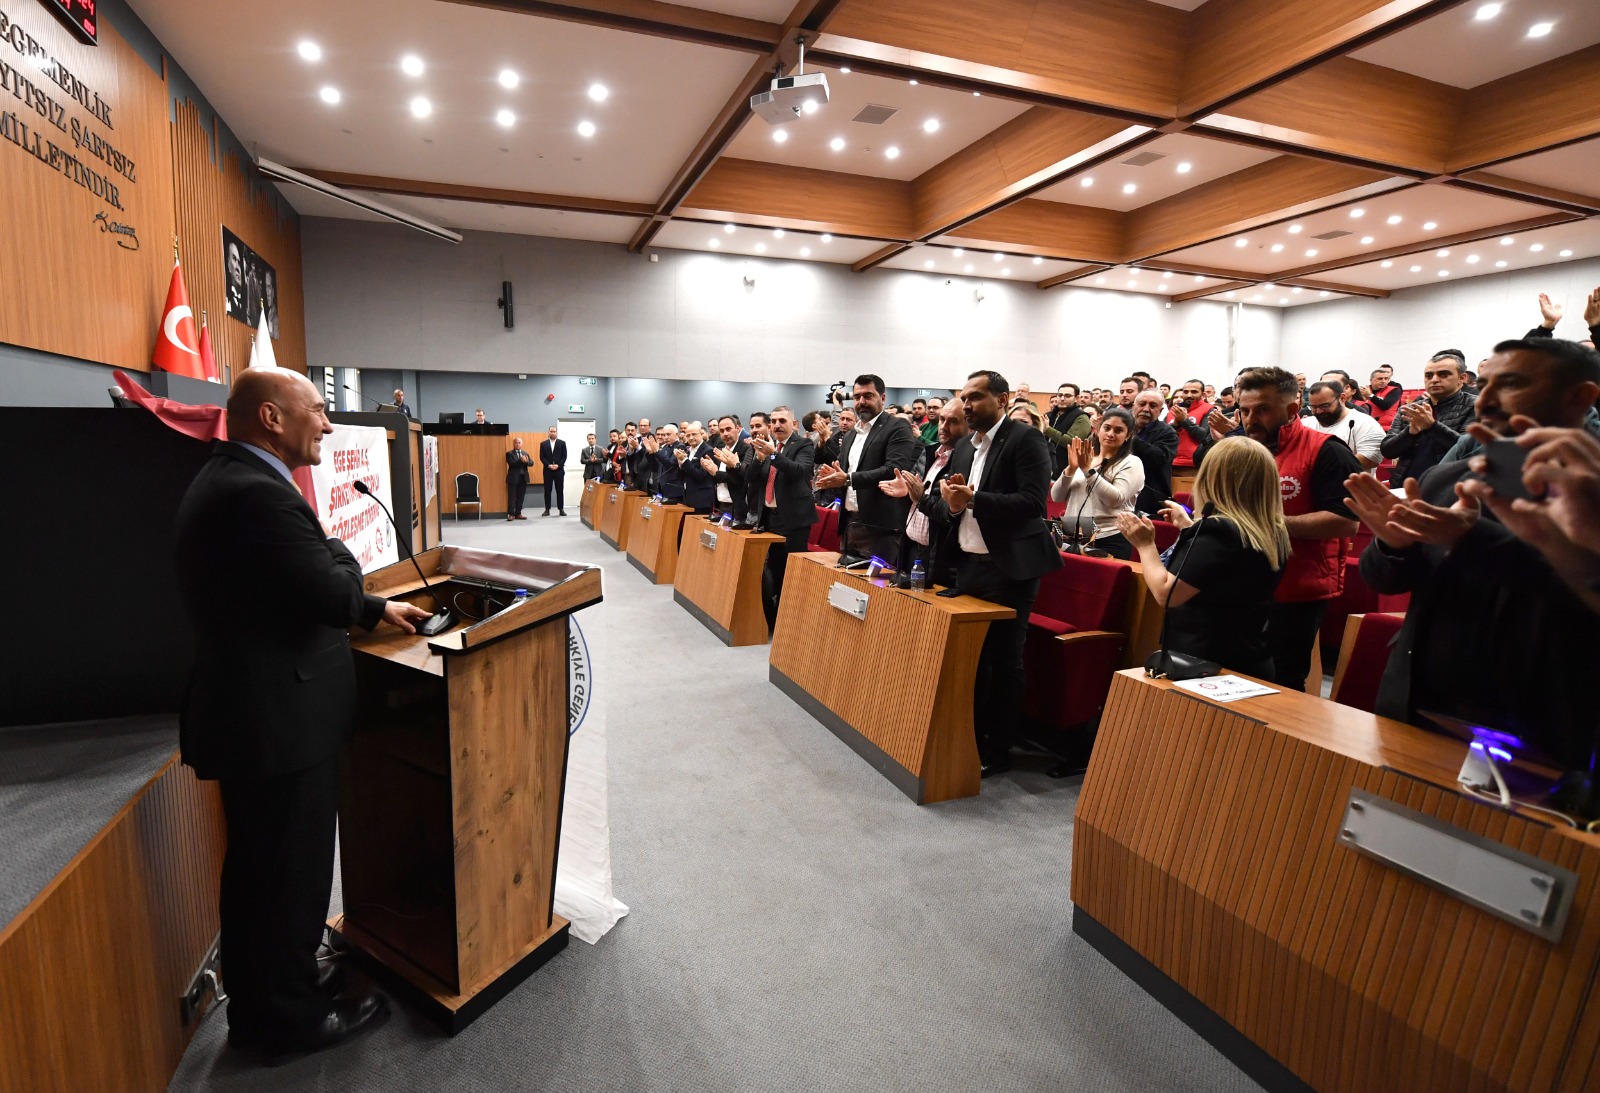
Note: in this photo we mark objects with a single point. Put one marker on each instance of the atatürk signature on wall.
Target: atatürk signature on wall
(129, 235)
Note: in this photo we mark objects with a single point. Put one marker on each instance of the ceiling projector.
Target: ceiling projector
(788, 97)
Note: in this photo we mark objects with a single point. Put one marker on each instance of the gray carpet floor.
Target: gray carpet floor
(796, 923)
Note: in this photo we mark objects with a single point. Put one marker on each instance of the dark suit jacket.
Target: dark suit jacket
(1010, 502)
(890, 445)
(517, 463)
(556, 454)
(699, 487)
(270, 597)
(669, 475)
(796, 461)
(1156, 445)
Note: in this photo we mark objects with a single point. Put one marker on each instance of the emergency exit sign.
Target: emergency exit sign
(574, 407)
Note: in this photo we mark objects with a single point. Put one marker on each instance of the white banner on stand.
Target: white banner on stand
(349, 453)
(583, 876)
(430, 469)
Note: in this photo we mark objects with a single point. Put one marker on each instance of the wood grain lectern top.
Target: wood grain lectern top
(450, 791)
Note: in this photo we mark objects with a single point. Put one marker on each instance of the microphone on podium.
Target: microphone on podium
(369, 398)
(441, 619)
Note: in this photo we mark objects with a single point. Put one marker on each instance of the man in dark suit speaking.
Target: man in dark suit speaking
(993, 493)
(553, 456)
(270, 702)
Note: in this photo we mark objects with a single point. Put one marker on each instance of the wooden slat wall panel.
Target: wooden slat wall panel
(211, 193)
(1206, 841)
(92, 970)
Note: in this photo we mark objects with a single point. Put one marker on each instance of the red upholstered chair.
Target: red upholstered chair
(818, 528)
(1356, 599)
(827, 529)
(1076, 634)
(1363, 657)
(1055, 509)
(1166, 534)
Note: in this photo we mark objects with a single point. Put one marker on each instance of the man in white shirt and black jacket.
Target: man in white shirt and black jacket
(993, 494)
(879, 446)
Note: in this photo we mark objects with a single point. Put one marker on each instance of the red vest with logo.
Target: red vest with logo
(1186, 443)
(1315, 570)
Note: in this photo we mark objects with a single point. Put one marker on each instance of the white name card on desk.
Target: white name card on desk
(1225, 688)
(851, 601)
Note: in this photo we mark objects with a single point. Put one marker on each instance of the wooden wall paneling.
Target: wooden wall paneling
(1240, 46)
(1547, 105)
(1118, 55)
(1052, 229)
(774, 195)
(213, 191)
(71, 286)
(1239, 201)
(1318, 109)
(484, 456)
(1028, 152)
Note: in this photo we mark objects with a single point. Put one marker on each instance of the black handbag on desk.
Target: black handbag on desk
(1167, 663)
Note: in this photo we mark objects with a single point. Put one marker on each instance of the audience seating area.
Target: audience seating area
(1362, 658)
(1076, 635)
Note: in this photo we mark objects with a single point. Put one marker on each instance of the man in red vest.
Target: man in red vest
(1312, 468)
(1189, 415)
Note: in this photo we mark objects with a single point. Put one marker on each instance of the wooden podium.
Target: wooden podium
(1215, 860)
(719, 579)
(450, 792)
(616, 516)
(653, 540)
(915, 727)
(594, 493)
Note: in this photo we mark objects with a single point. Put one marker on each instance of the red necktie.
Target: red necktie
(772, 478)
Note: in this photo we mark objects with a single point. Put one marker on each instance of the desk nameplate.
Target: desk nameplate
(708, 539)
(852, 601)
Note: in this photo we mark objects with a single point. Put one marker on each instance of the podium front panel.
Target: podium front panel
(616, 516)
(653, 540)
(895, 684)
(593, 495)
(719, 579)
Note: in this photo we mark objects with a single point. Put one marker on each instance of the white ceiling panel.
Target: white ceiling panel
(1459, 48)
(961, 118)
(1105, 187)
(762, 242)
(769, 11)
(661, 94)
(1575, 168)
(1563, 243)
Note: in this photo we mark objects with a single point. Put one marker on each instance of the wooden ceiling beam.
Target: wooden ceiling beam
(1501, 186)
(660, 20)
(1211, 290)
(775, 195)
(1335, 286)
(882, 254)
(1070, 276)
(1239, 48)
(481, 194)
(1538, 108)
(1050, 229)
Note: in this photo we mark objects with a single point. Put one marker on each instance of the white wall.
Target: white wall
(382, 296)
(1405, 330)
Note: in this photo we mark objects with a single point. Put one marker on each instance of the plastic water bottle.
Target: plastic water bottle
(919, 577)
(520, 598)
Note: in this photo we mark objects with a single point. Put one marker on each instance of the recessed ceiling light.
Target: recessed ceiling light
(1133, 282)
(846, 71)
(998, 257)
(329, 95)
(509, 79)
(1283, 299)
(1507, 240)
(730, 228)
(1537, 247)
(1539, 30)
(599, 92)
(1416, 269)
(586, 129)
(837, 144)
(1199, 280)
(1269, 286)
(1487, 12)
(309, 51)
(1500, 264)
(1099, 280)
(1441, 253)
(1297, 291)
(891, 152)
(959, 252)
(913, 83)
(411, 65)
(780, 135)
(1429, 226)
(809, 106)
(1167, 275)
(967, 268)
(1086, 181)
(1357, 214)
(1324, 292)
(1394, 219)
(805, 252)
(1472, 259)
(1230, 295)
(1276, 247)
(714, 242)
(1444, 273)
(1295, 229)
(761, 248)
(826, 238)
(1129, 187)
(506, 118)
(1163, 288)
(1006, 272)
(928, 264)
(1185, 168)
(1312, 253)
(977, 94)
(421, 107)
(1366, 240)
(1037, 260)
(1566, 254)
(1386, 264)
(777, 233)
(1240, 242)
(931, 125)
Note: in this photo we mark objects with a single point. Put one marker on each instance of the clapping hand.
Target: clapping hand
(1179, 415)
(894, 487)
(1175, 515)
(905, 484)
(1221, 425)
(1591, 309)
(1552, 312)
(1418, 415)
(956, 493)
(680, 455)
(763, 448)
(1078, 455)
(1404, 523)
(708, 464)
(651, 445)
(831, 477)
(724, 456)
(1139, 531)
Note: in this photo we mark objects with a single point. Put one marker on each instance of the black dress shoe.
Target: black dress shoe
(998, 765)
(345, 1019)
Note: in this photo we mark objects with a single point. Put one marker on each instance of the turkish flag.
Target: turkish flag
(208, 359)
(177, 345)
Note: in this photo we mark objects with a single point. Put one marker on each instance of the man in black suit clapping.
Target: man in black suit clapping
(517, 463)
(873, 451)
(271, 701)
(994, 495)
(783, 467)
